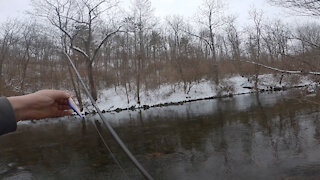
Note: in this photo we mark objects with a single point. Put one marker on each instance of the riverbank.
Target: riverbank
(111, 100)
(257, 132)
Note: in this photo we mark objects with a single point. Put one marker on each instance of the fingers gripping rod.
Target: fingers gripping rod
(107, 124)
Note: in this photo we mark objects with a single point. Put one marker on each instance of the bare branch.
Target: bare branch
(103, 41)
(280, 70)
(200, 37)
(303, 7)
(81, 51)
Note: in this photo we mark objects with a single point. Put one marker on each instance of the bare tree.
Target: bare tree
(142, 22)
(85, 20)
(30, 36)
(255, 41)
(276, 38)
(304, 7)
(9, 38)
(176, 24)
(234, 40)
(178, 43)
(211, 18)
(309, 35)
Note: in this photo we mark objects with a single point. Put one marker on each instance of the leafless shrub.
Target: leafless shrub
(224, 88)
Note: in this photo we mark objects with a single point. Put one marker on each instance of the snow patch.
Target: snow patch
(109, 99)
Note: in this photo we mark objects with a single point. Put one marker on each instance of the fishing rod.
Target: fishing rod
(107, 124)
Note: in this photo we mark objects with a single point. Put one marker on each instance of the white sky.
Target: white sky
(187, 8)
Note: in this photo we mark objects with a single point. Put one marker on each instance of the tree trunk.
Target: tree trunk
(138, 81)
(2, 82)
(92, 87)
(215, 71)
(127, 93)
(24, 72)
(257, 69)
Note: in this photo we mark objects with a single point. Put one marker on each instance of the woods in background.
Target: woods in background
(133, 49)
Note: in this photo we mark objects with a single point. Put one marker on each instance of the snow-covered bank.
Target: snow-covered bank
(110, 100)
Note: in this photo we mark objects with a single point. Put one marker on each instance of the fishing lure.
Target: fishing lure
(73, 105)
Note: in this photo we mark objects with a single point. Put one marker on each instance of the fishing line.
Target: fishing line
(107, 124)
(111, 153)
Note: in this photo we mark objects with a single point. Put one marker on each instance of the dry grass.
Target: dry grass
(55, 74)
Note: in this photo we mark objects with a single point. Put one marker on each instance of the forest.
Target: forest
(132, 49)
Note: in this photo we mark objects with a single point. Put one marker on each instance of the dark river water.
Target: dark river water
(265, 136)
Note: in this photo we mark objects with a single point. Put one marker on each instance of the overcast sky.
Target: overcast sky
(187, 8)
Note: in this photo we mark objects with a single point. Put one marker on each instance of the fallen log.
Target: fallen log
(281, 70)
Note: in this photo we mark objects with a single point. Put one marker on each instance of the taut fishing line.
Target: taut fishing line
(111, 153)
(109, 127)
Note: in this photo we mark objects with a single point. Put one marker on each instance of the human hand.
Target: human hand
(41, 104)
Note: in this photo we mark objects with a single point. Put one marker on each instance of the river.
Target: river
(256, 136)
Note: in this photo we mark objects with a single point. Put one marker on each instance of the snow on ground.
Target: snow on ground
(109, 99)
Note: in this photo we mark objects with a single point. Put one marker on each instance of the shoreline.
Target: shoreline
(230, 95)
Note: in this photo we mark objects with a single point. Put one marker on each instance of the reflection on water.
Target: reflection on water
(266, 136)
